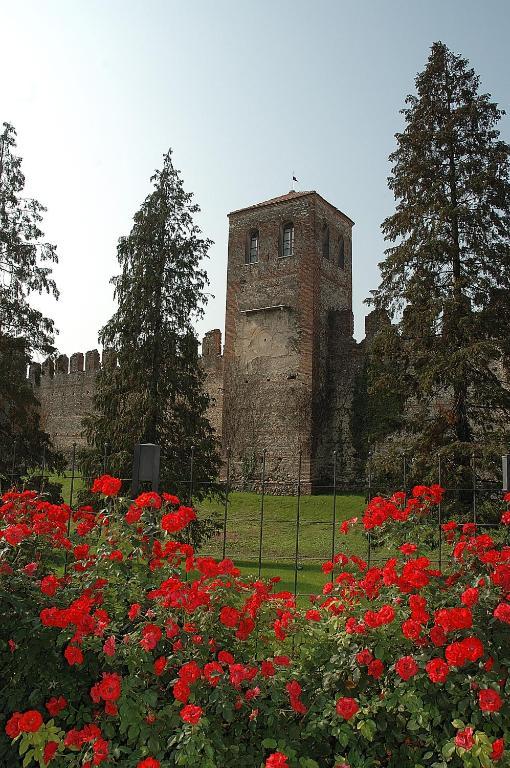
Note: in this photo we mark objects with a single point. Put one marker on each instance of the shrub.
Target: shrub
(121, 645)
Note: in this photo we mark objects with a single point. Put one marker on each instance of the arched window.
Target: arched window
(325, 240)
(252, 252)
(341, 252)
(288, 240)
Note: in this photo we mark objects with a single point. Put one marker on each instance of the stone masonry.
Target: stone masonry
(282, 386)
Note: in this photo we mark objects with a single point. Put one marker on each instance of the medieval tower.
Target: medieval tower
(289, 298)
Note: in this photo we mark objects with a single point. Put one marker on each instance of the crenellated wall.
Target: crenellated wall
(65, 388)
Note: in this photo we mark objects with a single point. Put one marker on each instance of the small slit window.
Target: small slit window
(341, 252)
(325, 241)
(252, 255)
(288, 240)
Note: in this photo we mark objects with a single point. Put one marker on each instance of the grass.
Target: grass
(281, 535)
(318, 522)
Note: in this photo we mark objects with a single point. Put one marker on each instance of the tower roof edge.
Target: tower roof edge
(292, 195)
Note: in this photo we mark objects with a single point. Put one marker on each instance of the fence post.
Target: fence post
(41, 486)
(71, 490)
(369, 539)
(298, 513)
(227, 489)
(262, 496)
(191, 470)
(473, 469)
(439, 514)
(333, 535)
(13, 465)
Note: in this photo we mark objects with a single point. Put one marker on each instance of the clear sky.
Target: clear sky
(244, 91)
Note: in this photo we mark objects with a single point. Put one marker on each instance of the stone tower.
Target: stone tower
(288, 324)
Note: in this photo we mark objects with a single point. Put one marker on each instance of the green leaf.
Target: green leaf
(269, 743)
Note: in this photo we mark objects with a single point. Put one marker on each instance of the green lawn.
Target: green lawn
(279, 533)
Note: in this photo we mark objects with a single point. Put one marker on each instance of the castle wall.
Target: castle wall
(65, 389)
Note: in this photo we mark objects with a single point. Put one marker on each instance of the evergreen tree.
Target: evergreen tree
(152, 391)
(25, 269)
(446, 275)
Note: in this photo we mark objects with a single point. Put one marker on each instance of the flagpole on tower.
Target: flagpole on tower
(293, 180)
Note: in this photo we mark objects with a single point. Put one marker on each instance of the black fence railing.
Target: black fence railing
(290, 535)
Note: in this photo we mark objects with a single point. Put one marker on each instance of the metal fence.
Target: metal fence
(291, 535)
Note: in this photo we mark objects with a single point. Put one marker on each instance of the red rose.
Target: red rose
(107, 485)
(346, 707)
(50, 751)
(134, 611)
(49, 585)
(438, 636)
(464, 738)
(108, 689)
(489, 700)
(149, 762)
(437, 670)
(470, 596)
(149, 499)
(213, 671)
(469, 649)
(229, 617)
(376, 669)
(160, 665)
(12, 727)
(190, 672)
(73, 655)
(267, 669)
(406, 667)
(151, 635)
(181, 691)
(30, 721)
(364, 657)
(451, 619)
(502, 612)
(56, 705)
(191, 714)
(498, 747)
(411, 629)
(277, 760)
(171, 499)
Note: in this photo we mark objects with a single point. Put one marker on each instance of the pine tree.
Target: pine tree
(25, 269)
(153, 389)
(446, 274)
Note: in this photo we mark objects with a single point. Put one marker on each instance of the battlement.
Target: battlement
(375, 321)
(211, 343)
(90, 362)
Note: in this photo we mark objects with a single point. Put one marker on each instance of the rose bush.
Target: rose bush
(120, 645)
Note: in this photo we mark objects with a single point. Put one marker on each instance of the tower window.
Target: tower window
(288, 240)
(252, 255)
(325, 241)
(341, 253)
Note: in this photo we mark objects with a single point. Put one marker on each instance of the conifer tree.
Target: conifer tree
(25, 268)
(446, 273)
(152, 391)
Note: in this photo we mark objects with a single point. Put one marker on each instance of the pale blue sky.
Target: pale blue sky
(244, 92)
